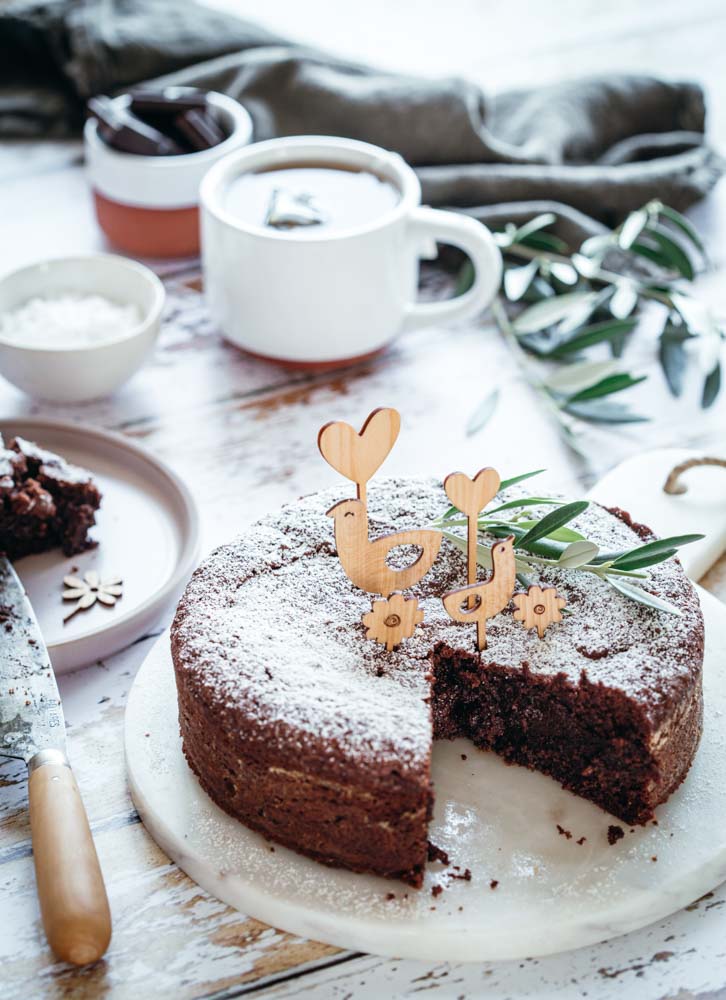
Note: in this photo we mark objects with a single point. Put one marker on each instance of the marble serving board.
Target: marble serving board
(544, 876)
(636, 485)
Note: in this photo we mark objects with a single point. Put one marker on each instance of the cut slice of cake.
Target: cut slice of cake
(45, 502)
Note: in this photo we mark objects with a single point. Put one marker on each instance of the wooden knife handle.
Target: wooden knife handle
(73, 901)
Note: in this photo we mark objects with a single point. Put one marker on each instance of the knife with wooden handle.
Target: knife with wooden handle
(73, 901)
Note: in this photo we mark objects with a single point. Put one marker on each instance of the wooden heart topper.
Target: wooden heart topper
(357, 456)
(471, 496)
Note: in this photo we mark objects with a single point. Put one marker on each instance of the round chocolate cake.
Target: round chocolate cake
(320, 739)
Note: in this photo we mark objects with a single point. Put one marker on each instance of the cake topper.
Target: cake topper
(365, 562)
(471, 496)
(393, 620)
(90, 589)
(479, 601)
(357, 456)
(538, 608)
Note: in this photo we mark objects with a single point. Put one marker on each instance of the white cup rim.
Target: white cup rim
(145, 275)
(350, 152)
(241, 127)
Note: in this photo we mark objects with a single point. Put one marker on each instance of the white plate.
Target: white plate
(499, 821)
(147, 532)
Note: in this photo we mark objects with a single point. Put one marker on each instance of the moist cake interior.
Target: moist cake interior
(44, 501)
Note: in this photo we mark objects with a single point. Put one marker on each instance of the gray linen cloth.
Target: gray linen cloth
(591, 149)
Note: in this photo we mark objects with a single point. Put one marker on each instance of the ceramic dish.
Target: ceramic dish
(148, 205)
(544, 876)
(78, 374)
(147, 532)
(344, 293)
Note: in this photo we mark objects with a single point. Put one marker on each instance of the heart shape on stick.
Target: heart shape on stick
(471, 496)
(358, 455)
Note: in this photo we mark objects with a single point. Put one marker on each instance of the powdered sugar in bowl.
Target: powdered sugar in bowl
(76, 328)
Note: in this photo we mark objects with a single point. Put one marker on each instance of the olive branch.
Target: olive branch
(547, 541)
(556, 304)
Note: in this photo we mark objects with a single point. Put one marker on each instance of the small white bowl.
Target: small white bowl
(80, 374)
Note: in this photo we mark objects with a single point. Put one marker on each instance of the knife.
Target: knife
(73, 901)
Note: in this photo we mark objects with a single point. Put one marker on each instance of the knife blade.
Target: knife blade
(31, 715)
(72, 895)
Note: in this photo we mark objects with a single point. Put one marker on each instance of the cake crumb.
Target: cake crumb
(437, 854)
(615, 833)
(390, 896)
(465, 876)
(436, 890)
(464, 757)
(564, 833)
(581, 841)
(654, 858)
(494, 883)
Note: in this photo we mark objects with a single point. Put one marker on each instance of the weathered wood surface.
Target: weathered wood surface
(243, 435)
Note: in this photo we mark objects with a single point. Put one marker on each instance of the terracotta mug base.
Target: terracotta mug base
(149, 232)
(316, 366)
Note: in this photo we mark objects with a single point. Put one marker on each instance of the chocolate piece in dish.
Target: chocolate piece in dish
(321, 740)
(44, 501)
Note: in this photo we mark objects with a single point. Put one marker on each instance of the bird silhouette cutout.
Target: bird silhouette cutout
(490, 596)
(358, 454)
(365, 562)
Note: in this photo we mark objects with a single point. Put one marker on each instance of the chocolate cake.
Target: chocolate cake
(44, 501)
(319, 739)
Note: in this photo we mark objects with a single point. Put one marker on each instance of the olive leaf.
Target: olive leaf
(550, 522)
(711, 387)
(636, 593)
(632, 228)
(578, 554)
(483, 413)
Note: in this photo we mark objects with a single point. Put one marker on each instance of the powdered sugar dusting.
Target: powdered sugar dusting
(272, 625)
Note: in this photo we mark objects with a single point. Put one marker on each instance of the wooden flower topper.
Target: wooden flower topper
(393, 620)
(357, 456)
(488, 598)
(538, 608)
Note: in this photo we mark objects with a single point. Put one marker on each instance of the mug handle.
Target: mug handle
(429, 224)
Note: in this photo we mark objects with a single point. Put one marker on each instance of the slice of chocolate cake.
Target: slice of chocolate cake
(318, 738)
(44, 501)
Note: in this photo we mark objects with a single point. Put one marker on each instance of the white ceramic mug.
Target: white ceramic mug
(328, 299)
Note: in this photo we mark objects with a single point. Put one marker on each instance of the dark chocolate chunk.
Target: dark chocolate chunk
(166, 102)
(200, 130)
(125, 132)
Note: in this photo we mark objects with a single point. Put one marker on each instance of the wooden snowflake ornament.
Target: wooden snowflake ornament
(390, 621)
(538, 608)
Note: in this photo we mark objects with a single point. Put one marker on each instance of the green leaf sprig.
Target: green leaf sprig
(556, 304)
(548, 540)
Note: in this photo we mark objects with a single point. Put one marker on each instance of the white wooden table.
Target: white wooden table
(242, 433)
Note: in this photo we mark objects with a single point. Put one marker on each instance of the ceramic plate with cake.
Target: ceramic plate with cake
(376, 780)
(76, 500)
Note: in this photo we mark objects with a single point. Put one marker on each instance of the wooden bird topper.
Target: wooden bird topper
(364, 561)
(471, 496)
(358, 455)
(538, 608)
(490, 597)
